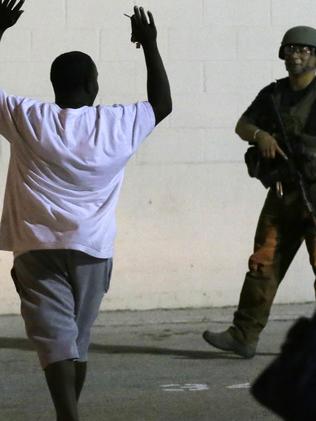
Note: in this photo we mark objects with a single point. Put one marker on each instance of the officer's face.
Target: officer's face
(299, 59)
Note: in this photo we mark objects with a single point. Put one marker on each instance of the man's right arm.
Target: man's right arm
(158, 87)
(10, 12)
(247, 130)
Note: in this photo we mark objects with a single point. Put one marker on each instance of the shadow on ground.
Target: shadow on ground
(23, 344)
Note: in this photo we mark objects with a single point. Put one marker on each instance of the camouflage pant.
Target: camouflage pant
(283, 225)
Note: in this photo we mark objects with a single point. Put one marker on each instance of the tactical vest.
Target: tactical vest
(303, 144)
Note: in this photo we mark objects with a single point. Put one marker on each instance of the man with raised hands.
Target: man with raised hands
(66, 169)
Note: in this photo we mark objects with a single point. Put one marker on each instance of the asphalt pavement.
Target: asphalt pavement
(148, 366)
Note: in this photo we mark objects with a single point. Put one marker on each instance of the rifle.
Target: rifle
(298, 176)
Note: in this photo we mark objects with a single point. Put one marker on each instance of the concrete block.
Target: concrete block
(141, 79)
(86, 40)
(117, 78)
(10, 302)
(237, 12)
(293, 13)
(116, 45)
(26, 78)
(172, 146)
(278, 70)
(105, 14)
(184, 77)
(4, 155)
(97, 13)
(259, 43)
(45, 14)
(223, 145)
(170, 13)
(182, 217)
(236, 76)
(4, 160)
(206, 43)
(16, 45)
(204, 111)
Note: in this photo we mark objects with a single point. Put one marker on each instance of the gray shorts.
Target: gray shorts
(61, 292)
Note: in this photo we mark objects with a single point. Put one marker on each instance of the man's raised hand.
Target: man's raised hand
(10, 12)
(143, 31)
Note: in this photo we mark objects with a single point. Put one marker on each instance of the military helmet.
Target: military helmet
(304, 35)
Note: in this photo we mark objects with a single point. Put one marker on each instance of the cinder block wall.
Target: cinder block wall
(188, 210)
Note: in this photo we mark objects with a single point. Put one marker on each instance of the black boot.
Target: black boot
(226, 342)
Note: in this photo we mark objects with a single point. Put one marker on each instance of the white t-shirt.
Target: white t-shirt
(65, 173)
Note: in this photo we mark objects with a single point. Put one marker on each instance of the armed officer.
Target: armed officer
(286, 219)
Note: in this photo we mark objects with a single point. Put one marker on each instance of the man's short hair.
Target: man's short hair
(70, 71)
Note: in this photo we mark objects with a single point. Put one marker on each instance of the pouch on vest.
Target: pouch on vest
(268, 171)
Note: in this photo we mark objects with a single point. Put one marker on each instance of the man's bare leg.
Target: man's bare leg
(61, 380)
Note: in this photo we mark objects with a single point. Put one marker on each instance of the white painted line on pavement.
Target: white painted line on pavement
(190, 387)
(173, 390)
(239, 386)
(170, 385)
